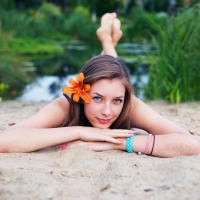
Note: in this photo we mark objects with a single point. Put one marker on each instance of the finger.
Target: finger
(112, 140)
(63, 146)
(121, 133)
(125, 131)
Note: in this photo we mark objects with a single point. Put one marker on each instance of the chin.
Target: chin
(102, 126)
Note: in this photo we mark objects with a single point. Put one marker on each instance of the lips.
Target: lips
(103, 121)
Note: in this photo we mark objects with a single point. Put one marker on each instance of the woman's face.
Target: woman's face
(107, 100)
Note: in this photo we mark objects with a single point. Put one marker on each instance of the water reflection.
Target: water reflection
(54, 73)
(45, 88)
(48, 88)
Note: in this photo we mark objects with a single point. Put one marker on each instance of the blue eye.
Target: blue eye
(97, 98)
(117, 101)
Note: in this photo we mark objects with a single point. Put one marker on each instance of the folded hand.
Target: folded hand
(90, 134)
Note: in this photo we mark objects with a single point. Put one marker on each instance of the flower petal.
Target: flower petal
(76, 97)
(86, 87)
(78, 89)
(85, 97)
(80, 78)
(68, 90)
(73, 82)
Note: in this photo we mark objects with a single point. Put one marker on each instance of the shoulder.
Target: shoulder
(54, 114)
(146, 118)
(62, 102)
(58, 109)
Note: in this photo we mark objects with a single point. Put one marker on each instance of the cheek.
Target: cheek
(89, 109)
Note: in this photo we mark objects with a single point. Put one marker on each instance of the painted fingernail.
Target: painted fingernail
(132, 131)
(63, 147)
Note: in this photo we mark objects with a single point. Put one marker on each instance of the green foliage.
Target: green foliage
(160, 5)
(105, 6)
(6, 4)
(11, 20)
(14, 74)
(49, 23)
(80, 27)
(44, 23)
(12, 70)
(83, 11)
(50, 9)
(28, 46)
(139, 26)
(175, 73)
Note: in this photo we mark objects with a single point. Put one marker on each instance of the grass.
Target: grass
(28, 46)
(175, 72)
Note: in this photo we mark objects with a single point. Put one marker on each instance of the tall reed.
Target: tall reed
(175, 72)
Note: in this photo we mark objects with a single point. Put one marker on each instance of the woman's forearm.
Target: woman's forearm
(30, 139)
(168, 145)
(19, 139)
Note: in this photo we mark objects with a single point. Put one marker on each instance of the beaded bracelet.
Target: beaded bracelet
(129, 144)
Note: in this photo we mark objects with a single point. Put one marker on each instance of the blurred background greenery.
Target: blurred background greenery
(56, 37)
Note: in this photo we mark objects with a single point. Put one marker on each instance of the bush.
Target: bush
(14, 75)
(80, 27)
(83, 11)
(28, 46)
(175, 74)
(6, 4)
(139, 26)
(49, 10)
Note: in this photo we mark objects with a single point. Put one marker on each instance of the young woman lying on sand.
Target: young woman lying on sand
(100, 112)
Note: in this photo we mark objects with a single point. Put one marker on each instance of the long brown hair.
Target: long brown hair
(103, 67)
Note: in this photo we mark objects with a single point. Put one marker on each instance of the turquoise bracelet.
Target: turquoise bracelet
(129, 144)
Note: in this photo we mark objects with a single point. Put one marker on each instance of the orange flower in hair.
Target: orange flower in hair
(78, 89)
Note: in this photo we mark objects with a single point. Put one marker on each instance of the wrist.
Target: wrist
(121, 146)
(77, 132)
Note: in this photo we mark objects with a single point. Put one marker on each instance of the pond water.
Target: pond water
(54, 73)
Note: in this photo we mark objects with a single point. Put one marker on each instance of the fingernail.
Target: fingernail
(62, 147)
(132, 131)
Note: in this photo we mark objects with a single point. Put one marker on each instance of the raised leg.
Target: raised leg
(116, 32)
(109, 33)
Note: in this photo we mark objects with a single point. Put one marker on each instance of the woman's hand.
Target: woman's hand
(90, 134)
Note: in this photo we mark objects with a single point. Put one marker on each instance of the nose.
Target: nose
(106, 109)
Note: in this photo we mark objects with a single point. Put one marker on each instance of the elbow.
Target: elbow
(6, 147)
(194, 148)
(7, 144)
(188, 145)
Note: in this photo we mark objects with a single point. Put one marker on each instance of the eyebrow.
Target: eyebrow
(103, 96)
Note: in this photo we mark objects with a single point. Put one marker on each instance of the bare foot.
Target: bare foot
(116, 32)
(105, 31)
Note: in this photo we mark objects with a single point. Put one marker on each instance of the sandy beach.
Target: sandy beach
(81, 173)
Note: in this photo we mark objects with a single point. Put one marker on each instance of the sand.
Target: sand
(80, 173)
